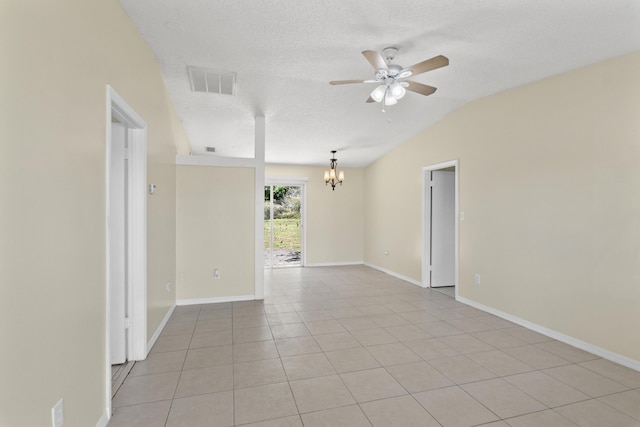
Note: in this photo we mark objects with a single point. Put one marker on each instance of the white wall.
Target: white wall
(215, 226)
(57, 58)
(549, 187)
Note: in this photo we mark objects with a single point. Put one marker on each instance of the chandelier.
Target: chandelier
(332, 176)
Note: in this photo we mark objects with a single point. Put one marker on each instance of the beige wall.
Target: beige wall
(334, 218)
(215, 226)
(549, 187)
(57, 58)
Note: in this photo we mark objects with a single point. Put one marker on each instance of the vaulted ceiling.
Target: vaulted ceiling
(284, 53)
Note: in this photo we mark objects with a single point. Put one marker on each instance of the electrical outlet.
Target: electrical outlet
(216, 274)
(461, 216)
(57, 414)
(168, 286)
(476, 279)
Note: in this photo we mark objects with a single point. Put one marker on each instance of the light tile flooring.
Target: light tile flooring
(351, 346)
(447, 290)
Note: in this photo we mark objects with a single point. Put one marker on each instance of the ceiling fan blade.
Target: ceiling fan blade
(420, 88)
(375, 59)
(370, 100)
(345, 82)
(428, 65)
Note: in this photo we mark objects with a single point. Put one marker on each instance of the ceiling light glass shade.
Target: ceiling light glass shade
(326, 176)
(378, 93)
(341, 176)
(332, 174)
(389, 99)
(397, 90)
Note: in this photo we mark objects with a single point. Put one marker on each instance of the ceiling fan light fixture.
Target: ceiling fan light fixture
(404, 74)
(378, 93)
(389, 99)
(397, 90)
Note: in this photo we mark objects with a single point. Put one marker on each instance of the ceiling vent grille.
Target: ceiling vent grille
(210, 149)
(212, 81)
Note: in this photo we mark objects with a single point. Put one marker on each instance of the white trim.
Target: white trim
(285, 180)
(426, 229)
(335, 264)
(394, 274)
(104, 420)
(303, 230)
(116, 107)
(258, 250)
(214, 300)
(161, 326)
(598, 351)
(196, 160)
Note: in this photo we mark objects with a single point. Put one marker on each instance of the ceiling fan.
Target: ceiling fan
(391, 77)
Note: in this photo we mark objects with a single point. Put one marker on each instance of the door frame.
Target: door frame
(295, 182)
(117, 107)
(426, 221)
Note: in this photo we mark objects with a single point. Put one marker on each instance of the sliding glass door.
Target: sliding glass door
(283, 226)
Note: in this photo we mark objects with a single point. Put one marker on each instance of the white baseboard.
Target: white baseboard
(394, 274)
(334, 264)
(159, 329)
(104, 420)
(232, 298)
(598, 351)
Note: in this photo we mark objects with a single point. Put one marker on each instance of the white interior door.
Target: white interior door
(117, 244)
(443, 229)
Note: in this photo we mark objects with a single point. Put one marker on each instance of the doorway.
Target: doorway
(126, 237)
(284, 224)
(440, 227)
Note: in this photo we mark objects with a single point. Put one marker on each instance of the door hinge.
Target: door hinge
(127, 323)
(126, 154)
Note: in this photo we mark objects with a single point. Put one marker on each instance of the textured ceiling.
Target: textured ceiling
(286, 51)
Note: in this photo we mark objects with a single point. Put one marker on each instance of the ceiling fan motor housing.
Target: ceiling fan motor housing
(391, 73)
(394, 70)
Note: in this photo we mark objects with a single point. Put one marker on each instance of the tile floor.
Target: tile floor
(351, 346)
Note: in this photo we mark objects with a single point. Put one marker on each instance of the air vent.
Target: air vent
(210, 149)
(212, 81)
